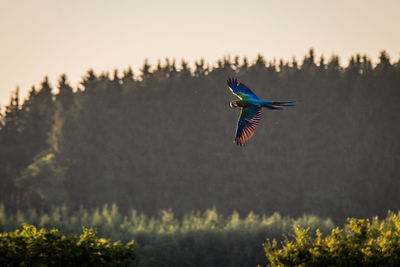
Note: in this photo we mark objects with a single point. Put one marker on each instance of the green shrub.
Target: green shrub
(362, 242)
(32, 247)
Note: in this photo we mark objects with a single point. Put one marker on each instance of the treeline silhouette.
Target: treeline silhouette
(164, 139)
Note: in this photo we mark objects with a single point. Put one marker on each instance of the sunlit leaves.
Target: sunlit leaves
(362, 242)
(33, 247)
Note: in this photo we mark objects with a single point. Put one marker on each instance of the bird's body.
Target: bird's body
(251, 107)
(255, 103)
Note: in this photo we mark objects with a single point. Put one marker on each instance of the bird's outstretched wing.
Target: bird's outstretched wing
(247, 124)
(240, 90)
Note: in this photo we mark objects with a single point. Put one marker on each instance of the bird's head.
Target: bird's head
(233, 104)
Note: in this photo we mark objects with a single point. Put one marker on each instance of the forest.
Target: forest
(163, 139)
(150, 157)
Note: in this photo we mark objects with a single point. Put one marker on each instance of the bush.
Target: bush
(361, 243)
(31, 247)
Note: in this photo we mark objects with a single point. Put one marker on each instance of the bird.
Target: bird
(250, 113)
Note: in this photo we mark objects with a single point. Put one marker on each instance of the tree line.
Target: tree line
(162, 139)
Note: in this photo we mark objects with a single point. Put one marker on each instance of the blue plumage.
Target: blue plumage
(239, 89)
(251, 107)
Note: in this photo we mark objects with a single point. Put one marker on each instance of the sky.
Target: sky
(51, 37)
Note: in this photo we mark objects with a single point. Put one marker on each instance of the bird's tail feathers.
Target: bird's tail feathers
(278, 105)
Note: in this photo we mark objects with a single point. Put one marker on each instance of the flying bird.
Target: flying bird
(250, 113)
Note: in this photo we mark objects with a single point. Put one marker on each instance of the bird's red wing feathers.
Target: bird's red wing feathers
(247, 124)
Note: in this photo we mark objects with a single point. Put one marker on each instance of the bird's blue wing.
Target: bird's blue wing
(247, 124)
(240, 90)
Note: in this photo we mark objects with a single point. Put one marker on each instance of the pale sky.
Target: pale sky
(51, 37)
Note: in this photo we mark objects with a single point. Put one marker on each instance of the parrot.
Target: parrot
(250, 113)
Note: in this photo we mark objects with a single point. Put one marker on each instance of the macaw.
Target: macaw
(250, 113)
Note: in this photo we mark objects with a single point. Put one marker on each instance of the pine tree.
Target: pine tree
(200, 69)
(184, 72)
(38, 112)
(65, 94)
(145, 71)
(128, 78)
(12, 152)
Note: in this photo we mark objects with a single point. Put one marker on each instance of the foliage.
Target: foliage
(362, 242)
(197, 239)
(32, 247)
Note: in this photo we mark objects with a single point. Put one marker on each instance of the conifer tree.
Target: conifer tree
(128, 77)
(12, 152)
(200, 69)
(184, 70)
(38, 112)
(65, 93)
(145, 71)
